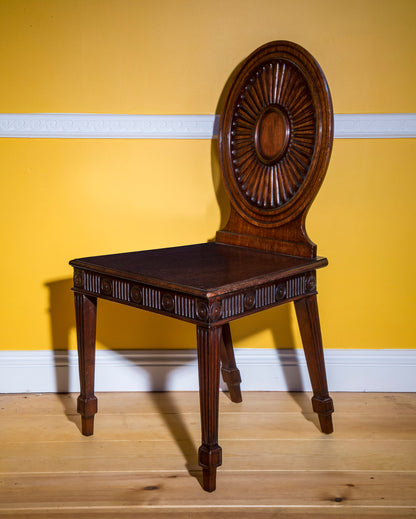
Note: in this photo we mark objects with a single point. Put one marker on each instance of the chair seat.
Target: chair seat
(206, 269)
(205, 283)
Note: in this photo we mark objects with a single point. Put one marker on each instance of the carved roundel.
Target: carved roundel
(106, 287)
(202, 311)
(310, 282)
(215, 310)
(168, 302)
(78, 279)
(136, 294)
(275, 133)
(280, 291)
(249, 300)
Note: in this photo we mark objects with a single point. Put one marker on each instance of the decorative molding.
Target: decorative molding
(375, 126)
(114, 126)
(193, 308)
(108, 126)
(176, 370)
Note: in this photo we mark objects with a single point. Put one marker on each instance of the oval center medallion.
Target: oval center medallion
(272, 134)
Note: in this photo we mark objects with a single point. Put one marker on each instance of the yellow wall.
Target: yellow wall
(62, 199)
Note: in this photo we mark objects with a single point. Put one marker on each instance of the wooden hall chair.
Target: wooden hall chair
(275, 139)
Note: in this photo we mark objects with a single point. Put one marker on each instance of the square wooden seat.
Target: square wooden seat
(275, 138)
(205, 270)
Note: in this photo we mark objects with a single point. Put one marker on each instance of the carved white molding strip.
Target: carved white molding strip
(375, 126)
(108, 126)
(176, 370)
(113, 126)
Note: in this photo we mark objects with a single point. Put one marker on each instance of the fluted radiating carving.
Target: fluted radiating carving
(273, 135)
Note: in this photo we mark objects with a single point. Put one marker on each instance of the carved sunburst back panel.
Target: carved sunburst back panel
(275, 134)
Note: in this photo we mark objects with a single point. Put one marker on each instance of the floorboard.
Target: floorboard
(142, 460)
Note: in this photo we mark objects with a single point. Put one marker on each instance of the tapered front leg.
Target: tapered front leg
(86, 316)
(209, 340)
(308, 319)
(230, 372)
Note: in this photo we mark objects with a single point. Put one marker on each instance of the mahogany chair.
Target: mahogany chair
(275, 139)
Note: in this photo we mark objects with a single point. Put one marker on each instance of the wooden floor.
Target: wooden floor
(141, 462)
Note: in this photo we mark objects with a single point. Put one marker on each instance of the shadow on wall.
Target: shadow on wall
(126, 327)
(120, 327)
(130, 328)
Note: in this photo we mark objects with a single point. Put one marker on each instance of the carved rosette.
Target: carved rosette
(202, 311)
(310, 282)
(78, 279)
(106, 287)
(168, 302)
(136, 294)
(249, 300)
(280, 291)
(215, 310)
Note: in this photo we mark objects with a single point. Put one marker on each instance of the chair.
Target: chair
(275, 139)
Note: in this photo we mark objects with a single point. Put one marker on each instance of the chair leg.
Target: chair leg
(86, 315)
(209, 453)
(310, 330)
(230, 372)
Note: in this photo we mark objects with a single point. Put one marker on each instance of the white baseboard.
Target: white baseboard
(176, 370)
(121, 126)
